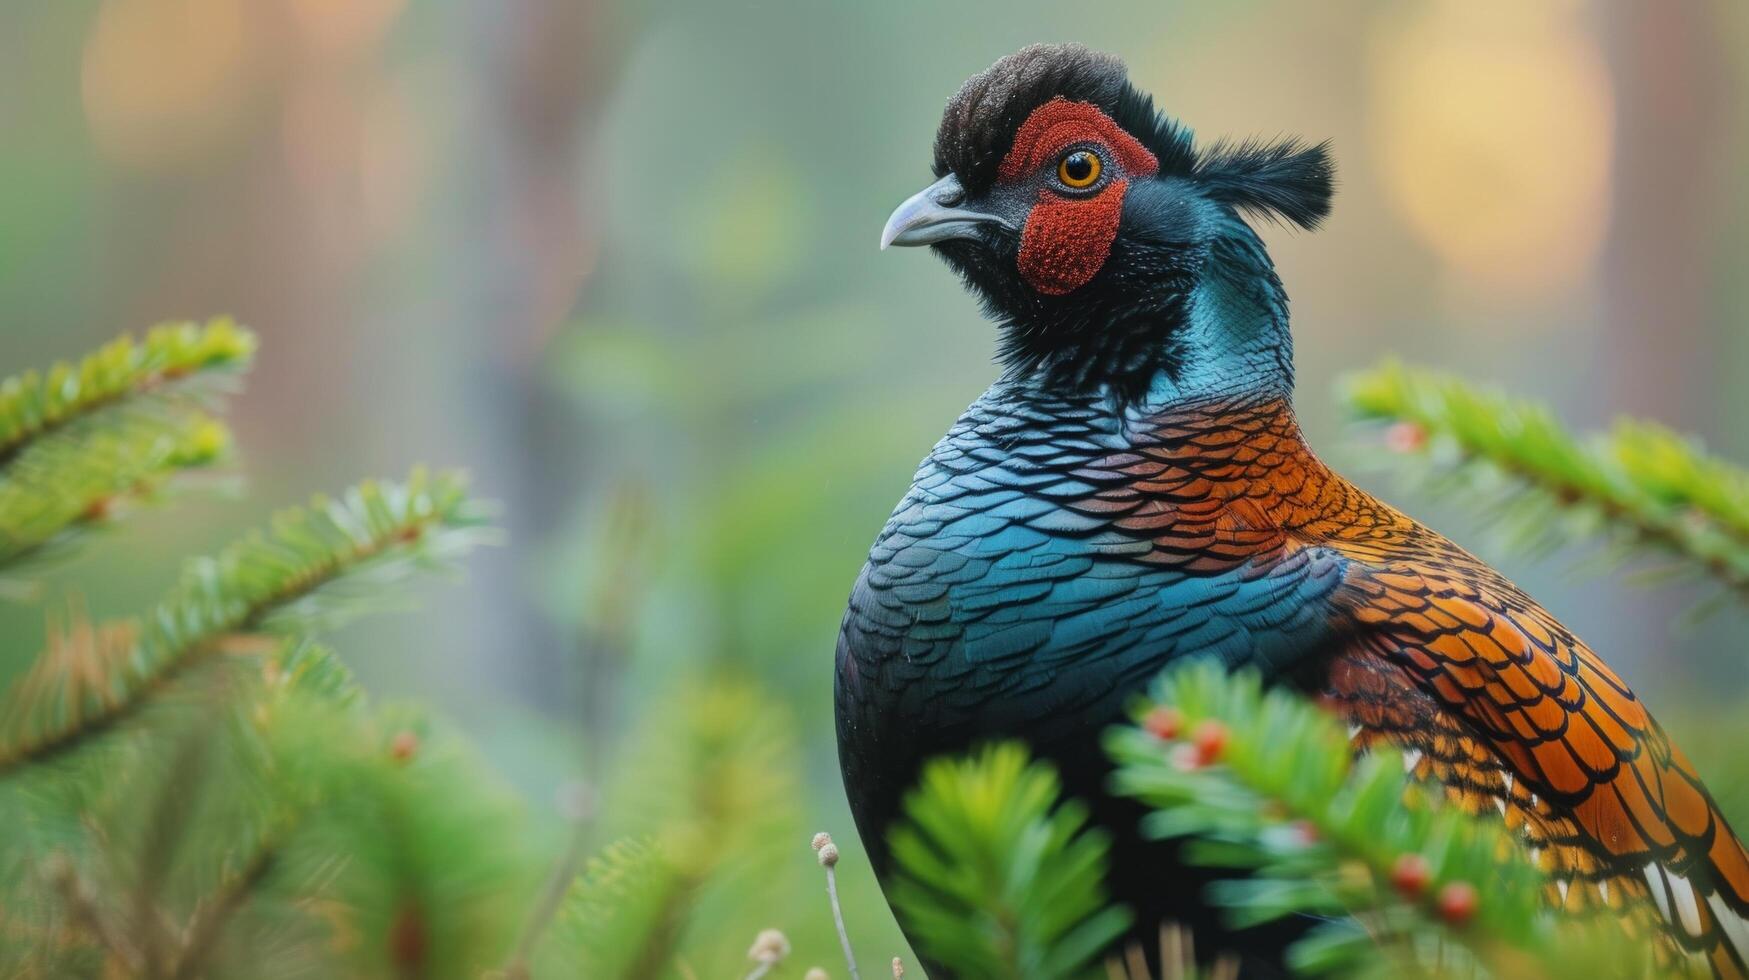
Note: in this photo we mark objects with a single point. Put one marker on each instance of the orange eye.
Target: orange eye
(1079, 169)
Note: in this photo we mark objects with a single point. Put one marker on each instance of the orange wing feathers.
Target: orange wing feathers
(1508, 709)
(1487, 693)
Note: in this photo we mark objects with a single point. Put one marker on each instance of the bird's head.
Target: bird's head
(1089, 224)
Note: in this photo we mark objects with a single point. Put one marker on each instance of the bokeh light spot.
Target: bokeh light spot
(345, 27)
(1493, 125)
(166, 82)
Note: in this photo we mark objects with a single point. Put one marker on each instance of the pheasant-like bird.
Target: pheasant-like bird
(1135, 489)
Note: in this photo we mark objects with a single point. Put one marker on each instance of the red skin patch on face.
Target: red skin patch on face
(1067, 239)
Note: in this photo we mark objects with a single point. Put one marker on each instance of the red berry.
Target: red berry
(1409, 876)
(1210, 738)
(1163, 722)
(403, 745)
(1405, 437)
(1457, 903)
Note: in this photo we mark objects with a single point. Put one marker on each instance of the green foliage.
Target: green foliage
(997, 876)
(295, 832)
(79, 443)
(204, 791)
(247, 812)
(705, 787)
(62, 485)
(292, 578)
(432, 845)
(124, 371)
(1322, 833)
(1639, 486)
(626, 893)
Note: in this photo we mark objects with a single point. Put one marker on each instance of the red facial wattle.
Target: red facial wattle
(1068, 238)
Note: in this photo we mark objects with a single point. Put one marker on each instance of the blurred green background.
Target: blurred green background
(619, 261)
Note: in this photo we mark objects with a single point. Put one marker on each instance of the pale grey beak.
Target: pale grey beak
(933, 214)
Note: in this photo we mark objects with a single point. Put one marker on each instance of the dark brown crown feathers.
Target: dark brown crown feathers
(1284, 179)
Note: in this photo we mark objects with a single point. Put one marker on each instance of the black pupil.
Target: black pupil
(1078, 167)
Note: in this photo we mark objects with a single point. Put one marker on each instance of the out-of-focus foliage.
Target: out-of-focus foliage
(124, 371)
(1639, 486)
(79, 442)
(295, 578)
(628, 892)
(203, 791)
(1000, 877)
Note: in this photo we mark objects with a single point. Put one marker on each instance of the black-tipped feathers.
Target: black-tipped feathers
(1284, 179)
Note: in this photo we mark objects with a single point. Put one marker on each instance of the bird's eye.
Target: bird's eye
(1079, 169)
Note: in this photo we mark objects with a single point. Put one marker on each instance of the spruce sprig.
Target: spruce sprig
(34, 404)
(63, 484)
(1263, 780)
(624, 893)
(997, 876)
(287, 580)
(1644, 486)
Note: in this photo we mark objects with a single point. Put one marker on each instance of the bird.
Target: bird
(1134, 491)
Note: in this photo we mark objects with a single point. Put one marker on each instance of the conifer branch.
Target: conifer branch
(35, 404)
(1651, 488)
(85, 913)
(699, 780)
(71, 481)
(996, 876)
(287, 580)
(207, 927)
(1262, 780)
(620, 916)
(165, 832)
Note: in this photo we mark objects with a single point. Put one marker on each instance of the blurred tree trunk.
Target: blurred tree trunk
(1661, 283)
(541, 73)
(1661, 286)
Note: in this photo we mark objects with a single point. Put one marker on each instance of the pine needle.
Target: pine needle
(1320, 834)
(35, 404)
(289, 579)
(997, 876)
(1638, 488)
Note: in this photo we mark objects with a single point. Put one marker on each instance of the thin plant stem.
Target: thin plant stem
(557, 885)
(1137, 961)
(838, 920)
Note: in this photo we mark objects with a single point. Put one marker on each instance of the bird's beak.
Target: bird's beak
(933, 214)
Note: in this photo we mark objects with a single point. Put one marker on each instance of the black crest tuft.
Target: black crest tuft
(1285, 179)
(979, 123)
